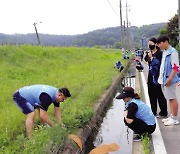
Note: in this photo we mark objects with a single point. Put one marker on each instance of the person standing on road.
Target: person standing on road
(138, 116)
(153, 58)
(168, 77)
(40, 96)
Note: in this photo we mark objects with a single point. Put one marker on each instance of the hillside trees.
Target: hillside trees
(102, 37)
(172, 30)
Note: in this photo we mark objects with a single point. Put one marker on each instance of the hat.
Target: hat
(127, 92)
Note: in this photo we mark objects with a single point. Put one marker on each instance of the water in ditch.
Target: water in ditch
(113, 129)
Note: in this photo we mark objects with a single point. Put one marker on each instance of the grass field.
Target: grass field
(87, 72)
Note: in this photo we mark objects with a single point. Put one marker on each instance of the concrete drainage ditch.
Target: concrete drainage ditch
(107, 125)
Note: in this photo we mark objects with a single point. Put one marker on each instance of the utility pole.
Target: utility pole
(127, 15)
(127, 29)
(125, 33)
(35, 23)
(179, 20)
(121, 24)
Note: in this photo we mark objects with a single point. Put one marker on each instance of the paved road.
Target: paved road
(170, 134)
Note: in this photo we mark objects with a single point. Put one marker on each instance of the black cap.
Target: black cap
(127, 92)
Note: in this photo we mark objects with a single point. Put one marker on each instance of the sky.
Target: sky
(69, 17)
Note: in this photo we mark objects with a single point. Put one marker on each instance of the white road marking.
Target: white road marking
(157, 139)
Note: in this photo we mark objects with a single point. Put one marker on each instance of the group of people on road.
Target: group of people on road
(163, 63)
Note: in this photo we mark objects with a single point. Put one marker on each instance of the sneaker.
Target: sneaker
(134, 135)
(166, 119)
(171, 122)
(137, 138)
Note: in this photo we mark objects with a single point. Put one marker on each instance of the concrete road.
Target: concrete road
(170, 134)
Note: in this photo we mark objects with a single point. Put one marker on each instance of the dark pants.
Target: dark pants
(121, 68)
(139, 68)
(140, 127)
(156, 95)
(22, 103)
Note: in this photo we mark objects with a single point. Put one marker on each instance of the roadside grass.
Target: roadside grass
(146, 143)
(87, 72)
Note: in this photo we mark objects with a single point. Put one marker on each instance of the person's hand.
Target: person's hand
(150, 55)
(62, 124)
(179, 84)
(48, 126)
(125, 113)
(168, 82)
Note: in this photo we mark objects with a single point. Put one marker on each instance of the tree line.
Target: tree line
(108, 37)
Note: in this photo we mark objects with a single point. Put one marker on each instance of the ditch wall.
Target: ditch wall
(99, 109)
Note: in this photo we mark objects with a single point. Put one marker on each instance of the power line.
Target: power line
(112, 7)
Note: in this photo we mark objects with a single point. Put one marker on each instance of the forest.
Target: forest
(107, 37)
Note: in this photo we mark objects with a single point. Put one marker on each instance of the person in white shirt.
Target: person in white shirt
(168, 77)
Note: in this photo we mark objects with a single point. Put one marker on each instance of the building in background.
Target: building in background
(144, 43)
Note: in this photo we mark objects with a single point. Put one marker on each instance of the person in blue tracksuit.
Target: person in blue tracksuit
(138, 116)
(39, 96)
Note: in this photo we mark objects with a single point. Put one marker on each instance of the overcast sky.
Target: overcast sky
(71, 17)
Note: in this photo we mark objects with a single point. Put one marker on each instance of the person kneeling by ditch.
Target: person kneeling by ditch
(40, 96)
(119, 66)
(139, 65)
(138, 116)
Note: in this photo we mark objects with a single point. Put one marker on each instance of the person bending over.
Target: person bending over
(39, 96)
(119, 66)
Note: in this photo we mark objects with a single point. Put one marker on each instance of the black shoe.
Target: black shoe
(135, 134)
(137, 138)
(163, 115)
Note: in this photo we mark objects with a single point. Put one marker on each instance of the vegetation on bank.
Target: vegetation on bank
(87, 72)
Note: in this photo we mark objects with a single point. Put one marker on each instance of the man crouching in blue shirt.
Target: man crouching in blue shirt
(40, 96)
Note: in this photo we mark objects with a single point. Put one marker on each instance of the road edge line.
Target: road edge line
(157, 139)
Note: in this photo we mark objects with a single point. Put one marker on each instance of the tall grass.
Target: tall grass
(87, 72)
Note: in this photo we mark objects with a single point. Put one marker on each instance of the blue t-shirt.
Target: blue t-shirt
(142, 112)
(32, 93)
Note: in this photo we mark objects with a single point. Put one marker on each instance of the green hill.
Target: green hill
(101, 37)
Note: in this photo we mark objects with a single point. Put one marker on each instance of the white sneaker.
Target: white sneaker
(166, 119)
(171, 122)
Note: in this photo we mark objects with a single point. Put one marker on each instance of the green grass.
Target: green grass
(87, 72)
(146, 143)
